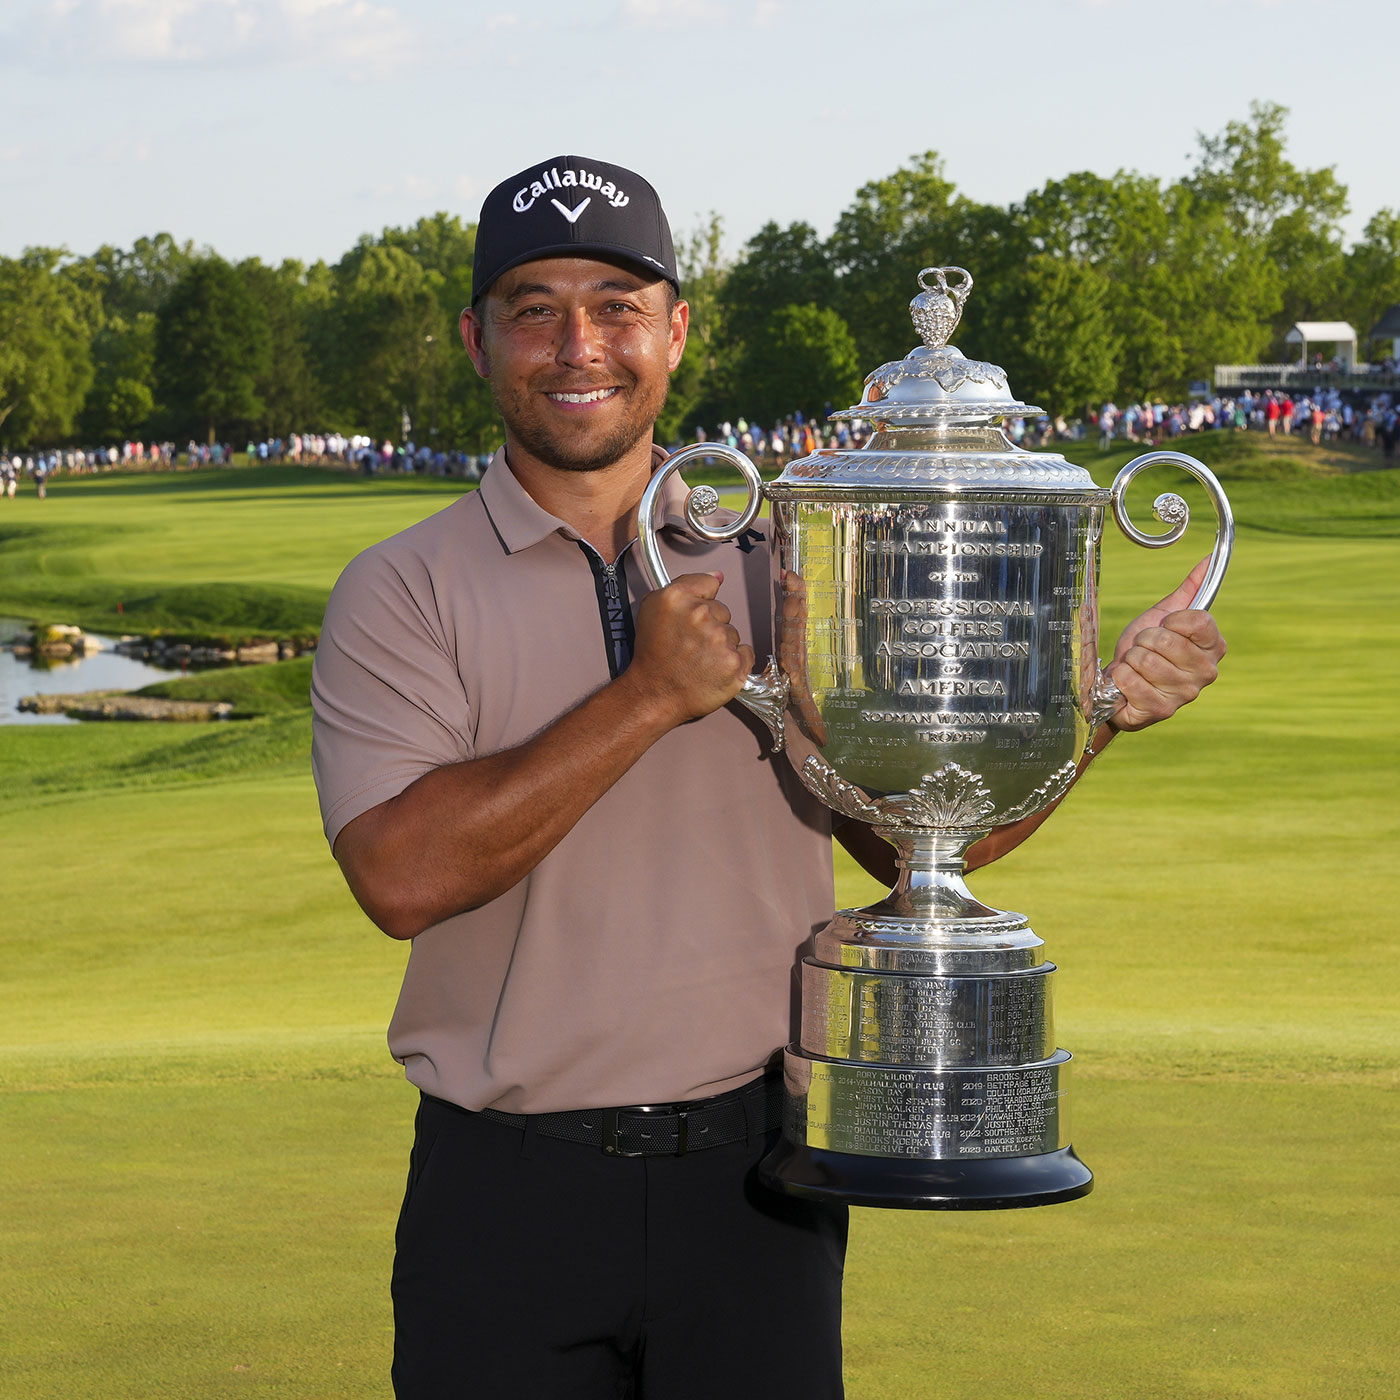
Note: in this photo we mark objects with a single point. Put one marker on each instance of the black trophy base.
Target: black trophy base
(902, 1183)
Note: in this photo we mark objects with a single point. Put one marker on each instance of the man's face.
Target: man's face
(579, 355)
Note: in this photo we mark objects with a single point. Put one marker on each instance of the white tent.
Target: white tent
(1337, 333)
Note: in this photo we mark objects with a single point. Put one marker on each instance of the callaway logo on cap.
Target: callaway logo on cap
(572, 207)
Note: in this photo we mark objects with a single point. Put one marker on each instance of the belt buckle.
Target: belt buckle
(613, 1129)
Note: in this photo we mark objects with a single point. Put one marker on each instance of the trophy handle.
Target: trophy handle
(765, 693)
(1173, 512)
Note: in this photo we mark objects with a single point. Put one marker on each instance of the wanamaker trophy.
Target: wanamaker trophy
(936, 676)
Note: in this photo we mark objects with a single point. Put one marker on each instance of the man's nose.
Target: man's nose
(581, 344)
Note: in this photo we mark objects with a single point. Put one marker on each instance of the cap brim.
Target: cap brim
(608, 252)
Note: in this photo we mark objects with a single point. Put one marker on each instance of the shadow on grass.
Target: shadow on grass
(223, 613)
(178, 754)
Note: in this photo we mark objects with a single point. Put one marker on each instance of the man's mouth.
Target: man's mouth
(588, 396)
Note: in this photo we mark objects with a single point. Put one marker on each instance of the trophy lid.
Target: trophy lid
(935, 384)
(935, 415)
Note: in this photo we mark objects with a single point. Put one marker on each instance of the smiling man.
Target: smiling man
(527, 765)
(605, 898)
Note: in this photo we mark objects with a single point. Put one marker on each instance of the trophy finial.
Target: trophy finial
(938, 308)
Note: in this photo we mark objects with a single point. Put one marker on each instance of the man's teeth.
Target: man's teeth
(592, 396)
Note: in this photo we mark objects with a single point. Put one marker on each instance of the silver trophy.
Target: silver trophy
(936, 676)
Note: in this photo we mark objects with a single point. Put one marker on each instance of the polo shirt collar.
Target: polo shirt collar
(520, 521)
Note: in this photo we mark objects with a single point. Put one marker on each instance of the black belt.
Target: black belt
(662, 1129)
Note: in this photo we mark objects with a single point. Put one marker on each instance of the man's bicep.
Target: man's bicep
(388, 703)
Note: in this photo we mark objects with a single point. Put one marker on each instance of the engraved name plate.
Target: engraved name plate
(921, 1020)
(878, 1110)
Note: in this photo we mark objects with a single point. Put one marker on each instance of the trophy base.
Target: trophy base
(984, 1183)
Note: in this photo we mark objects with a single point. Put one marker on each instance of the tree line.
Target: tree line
(1090, 287)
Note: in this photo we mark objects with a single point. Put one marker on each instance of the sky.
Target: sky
(288, 128)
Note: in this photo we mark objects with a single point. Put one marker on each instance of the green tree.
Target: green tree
(778, 267)
(1220, 296)
(288, 386)
(212, 348)
(381, 325)
(1181, 288)
(878, 245)
(1290, 215)
(138, 279)
(700, 383)
(453, 406)
(443, 246)
(803, 357)
(1373, 271)
(388, 339)
(120, 402)
(132, 284)
(896, 226)
(1067, 354)
(1115, 234)
(48, 311)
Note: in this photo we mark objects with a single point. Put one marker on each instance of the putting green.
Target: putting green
(205, 1140)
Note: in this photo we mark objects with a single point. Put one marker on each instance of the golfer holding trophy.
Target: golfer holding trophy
(936, 677)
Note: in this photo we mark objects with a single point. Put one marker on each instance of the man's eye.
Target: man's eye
(534, 312)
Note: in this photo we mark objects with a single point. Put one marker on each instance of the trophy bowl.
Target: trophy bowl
(936, 676)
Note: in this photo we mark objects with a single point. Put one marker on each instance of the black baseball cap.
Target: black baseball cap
(571, 206)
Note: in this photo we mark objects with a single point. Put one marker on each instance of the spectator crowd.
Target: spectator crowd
(1324, 415)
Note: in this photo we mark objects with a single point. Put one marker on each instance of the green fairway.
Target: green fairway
(236, 552)
(251, 551)
(205, 1141)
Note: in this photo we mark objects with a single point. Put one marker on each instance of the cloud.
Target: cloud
(414, 187)
(696, 14)
(217, 33)
(673, 14)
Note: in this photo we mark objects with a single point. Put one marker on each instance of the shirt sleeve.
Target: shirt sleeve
(387, 699)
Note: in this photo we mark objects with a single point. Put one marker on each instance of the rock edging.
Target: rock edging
(57, 640)
(60, 640)
(117, 704)
(163, 652)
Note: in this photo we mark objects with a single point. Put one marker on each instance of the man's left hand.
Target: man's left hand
(1166, 657)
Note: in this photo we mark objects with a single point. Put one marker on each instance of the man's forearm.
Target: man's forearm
(463, 834)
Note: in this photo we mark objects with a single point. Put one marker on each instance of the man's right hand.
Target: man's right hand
(687, 659)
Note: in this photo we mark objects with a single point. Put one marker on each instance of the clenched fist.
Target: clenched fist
(687, 655)
(1166, 657)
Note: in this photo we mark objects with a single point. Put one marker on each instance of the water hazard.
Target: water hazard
(39, 675)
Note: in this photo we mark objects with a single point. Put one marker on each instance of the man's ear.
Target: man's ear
(680, 323)
(474, 338)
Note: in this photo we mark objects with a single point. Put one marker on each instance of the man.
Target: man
(528, 765)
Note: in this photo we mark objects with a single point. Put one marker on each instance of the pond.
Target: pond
(42, 675)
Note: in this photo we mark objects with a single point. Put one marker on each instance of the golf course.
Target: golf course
(205, 1140)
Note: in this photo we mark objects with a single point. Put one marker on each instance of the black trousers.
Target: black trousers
(533, 1269)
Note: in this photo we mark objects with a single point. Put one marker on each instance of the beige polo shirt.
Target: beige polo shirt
(650, 956)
